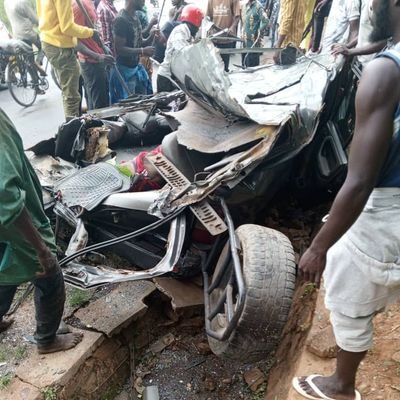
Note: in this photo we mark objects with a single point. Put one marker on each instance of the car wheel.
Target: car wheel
(268, 266)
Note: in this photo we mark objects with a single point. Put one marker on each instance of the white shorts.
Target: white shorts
(362, 274)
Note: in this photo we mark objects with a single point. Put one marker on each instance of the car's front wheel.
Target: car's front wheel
(268, 267)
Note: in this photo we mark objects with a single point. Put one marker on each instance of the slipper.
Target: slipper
(313, 386)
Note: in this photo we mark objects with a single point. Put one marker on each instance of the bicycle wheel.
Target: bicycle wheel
(20, 83)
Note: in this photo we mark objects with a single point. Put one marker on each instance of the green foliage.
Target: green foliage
(5, 380)
(49, 393)
(20, 352)
(78, 297)
(260, 393)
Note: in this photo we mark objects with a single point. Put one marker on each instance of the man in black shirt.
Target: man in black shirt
(129, 45)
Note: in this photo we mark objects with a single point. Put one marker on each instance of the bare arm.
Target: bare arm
(353, 33)
(29, 232)
(123, 50)
(377, 99)
(101, 58)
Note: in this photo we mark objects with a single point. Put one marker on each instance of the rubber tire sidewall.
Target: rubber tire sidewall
(269, 273)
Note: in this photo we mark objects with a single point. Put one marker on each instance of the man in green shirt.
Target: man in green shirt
(27, 244)
(255, 21)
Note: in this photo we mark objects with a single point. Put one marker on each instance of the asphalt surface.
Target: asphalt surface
(39, 121)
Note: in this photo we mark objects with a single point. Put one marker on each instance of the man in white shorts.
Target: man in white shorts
(362, 233)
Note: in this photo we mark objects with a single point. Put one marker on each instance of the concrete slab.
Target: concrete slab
(58, 368)
(118, 309)
(183, 295)
(19, 390)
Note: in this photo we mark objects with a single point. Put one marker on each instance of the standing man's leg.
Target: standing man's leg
(226, 57)
(49, 304)
(96, 85)
(7, 293)
(65, 63)
(319, 22)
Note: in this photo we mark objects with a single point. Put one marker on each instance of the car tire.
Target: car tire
(269, 272)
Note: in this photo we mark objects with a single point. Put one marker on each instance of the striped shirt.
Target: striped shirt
(106, 13)
(291, 23)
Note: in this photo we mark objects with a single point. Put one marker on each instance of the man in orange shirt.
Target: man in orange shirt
(92, 60)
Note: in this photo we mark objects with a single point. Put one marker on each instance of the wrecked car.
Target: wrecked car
(240, 137)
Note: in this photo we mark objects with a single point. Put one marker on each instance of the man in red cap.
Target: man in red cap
(180, 37)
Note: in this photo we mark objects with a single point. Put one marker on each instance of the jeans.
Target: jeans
(226, 57)
(49, 298)
(95, 81)
(67, 67)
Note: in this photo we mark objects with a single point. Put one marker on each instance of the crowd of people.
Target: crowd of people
(110, 54)
(361, 273)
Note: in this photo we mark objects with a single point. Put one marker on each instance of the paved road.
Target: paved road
(38, 122)
(42, 119)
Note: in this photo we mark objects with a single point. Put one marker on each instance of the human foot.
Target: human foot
(60, 343)
(63, 328)
(5, 324)
(317, 387)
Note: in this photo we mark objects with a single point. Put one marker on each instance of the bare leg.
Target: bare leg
(340, 385)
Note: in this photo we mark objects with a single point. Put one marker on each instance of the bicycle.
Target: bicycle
(20, 78)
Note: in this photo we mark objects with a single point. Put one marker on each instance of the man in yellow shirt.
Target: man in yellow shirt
(291, 24)
(59, 34)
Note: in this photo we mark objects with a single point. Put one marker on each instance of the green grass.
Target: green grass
(5, 380)
(78, 297)
(20, 352)
(49, 393)
(259, 394)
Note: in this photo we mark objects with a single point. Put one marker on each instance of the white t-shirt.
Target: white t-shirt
(365, 30)
(337, 27)
(179, 38)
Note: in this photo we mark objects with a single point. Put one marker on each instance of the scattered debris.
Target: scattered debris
(323, 343)
(161, 344)
(254, 378)
(151, 393)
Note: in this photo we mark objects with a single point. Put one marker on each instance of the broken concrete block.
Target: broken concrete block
(111, 313)
(56, 369)
(184, 295)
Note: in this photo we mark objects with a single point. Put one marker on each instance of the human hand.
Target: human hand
(153, 21)
(96, 36)
(106, 59)
(148, 51)
(48, 261)
(107, 50)
(155, 32)
(342, 49)
(312, 265)
(277, 57)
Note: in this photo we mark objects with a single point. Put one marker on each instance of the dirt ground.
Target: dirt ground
(179, 361)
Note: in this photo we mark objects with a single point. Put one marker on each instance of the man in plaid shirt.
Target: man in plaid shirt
(106, 13)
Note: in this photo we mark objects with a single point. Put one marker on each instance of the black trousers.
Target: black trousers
(319, 22)
(226, 57)
(95, 81)
(49, 298)
(251, 60)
